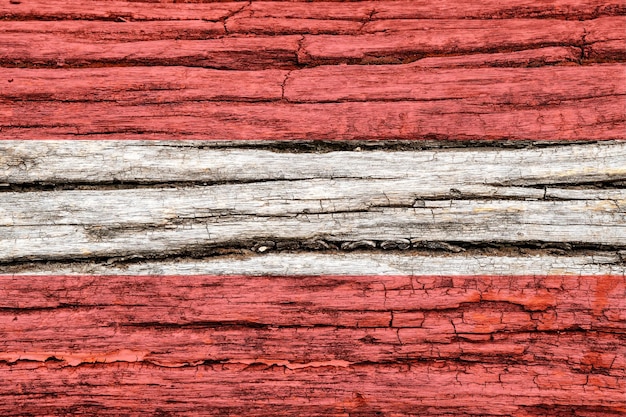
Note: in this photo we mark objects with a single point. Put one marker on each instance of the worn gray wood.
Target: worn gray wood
(347, 263)
(106, 225)
(241, 198)
(167, 161)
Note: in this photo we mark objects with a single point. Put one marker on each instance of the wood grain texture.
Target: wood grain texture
(586, 119)
(380, 208)
(323, 10)
(456, 196)
(159, 162)
(117, 10)
(123, 70)
(549, 103)
(138, 86)
(398, 42)
(413, 40)
(448, 331)
(245, 388)
(166, 224)
(361, 262)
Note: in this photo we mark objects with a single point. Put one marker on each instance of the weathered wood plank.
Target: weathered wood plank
(339, 197)
(151, 102)
(406, 42)
(92, 341)
(214, 204)
(586, 119)
(598, 44)
(452, 387)
(114, 161)
(528, 58)
(105, 31)
(117, 231)
(498, 86)
(373, 10)
(314, 300)
(149, 85)
(117, 10)
(141, 85)
(562, 337)
(399, 46)
(357, 11)
(493, 9)
(343, 263)
(351, 319)
(242, 53)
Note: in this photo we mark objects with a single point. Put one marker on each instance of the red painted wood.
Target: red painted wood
(105, 31)
(139, 80)
(424, 388)
(139, 86)
(531, 58)
(495, 86)
(454, 38)
(116, 10)
(326, 84)
(358, 10)
(332, 345)
(229, 53)
(590, 118)
(391, 42)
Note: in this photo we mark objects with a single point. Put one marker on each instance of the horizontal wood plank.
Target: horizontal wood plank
(117, 10)
(358, 11)
(137, 162)
(106, 31)
(478, 339)
(587, 119)
(149, 85)
(422, 39)
(110, 33)
(465, 388)
(551, 55)
(599, 223)
(230, 53)
(498, 86)
(548, 103)
(95, 44)
(141, 85)
(342, 263)
(373, 10)
(562, 337)
(349, 199)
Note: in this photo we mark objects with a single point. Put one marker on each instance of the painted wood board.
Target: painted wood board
(385, 41)
(530, 342)
(285, 71)
(380, 208)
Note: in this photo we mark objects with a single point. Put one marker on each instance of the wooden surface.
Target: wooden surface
(129, 70)
(379, 208)
(350, 200)
(318, 345)
(486, 345)
(205, 278)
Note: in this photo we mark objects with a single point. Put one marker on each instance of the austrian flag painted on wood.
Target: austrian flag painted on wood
(313, 208)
